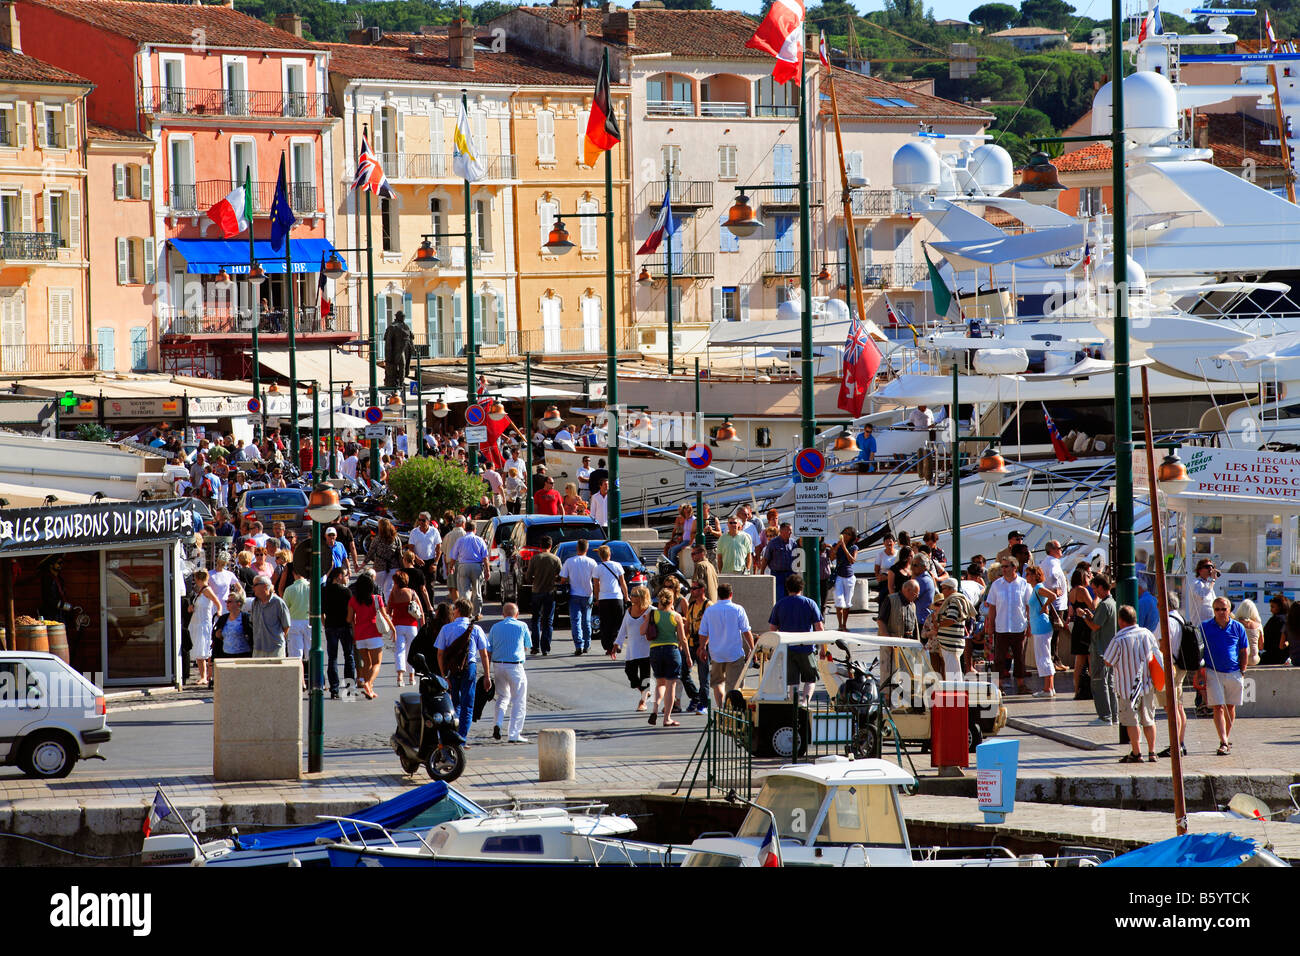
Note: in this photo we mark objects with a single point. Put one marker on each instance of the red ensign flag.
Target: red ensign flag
(781, 34)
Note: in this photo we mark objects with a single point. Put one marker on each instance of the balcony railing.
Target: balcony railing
(686, 264)
(781, 262)
(724, 108)
(670, 107)
(48, 358)
(687, 194)
(788, 198)
(403, 166)
(191, 102)
(223, 319)
(203, 195)
(452, 258)
(894, 275)
(874, 203)
(768, 109)
(572, 340)
(28, 246)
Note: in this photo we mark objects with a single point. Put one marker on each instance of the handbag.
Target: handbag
(382, 624)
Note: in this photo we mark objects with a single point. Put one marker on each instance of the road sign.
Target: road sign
(699, 456)
(476, 434)
(474, 415)
(375, 431)
(254, 406)
(374, 414)
(809, 462)
(700, 480)
(812, 500)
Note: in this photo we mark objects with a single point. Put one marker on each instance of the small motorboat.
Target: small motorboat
(402, 819)
(1200, 849)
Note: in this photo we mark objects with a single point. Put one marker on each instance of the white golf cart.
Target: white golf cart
(845, 723)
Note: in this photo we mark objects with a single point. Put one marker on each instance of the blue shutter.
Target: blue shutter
(381, 325)
(783, 166)
(457, 333)
(728, 241)
(139, 349)
(478, 321)
(107, 350)
(784, 228)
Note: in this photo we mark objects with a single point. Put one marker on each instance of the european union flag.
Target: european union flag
(282, 217)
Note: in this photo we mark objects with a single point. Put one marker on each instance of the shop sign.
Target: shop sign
(1266, 475)
(77, 527)
(128, 408)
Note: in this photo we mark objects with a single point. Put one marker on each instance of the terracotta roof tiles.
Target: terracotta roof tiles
(94, 131)
(223, 26)
(858, 95)
(16, 66)
(512, 67)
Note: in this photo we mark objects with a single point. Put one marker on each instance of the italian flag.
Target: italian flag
(233, 214)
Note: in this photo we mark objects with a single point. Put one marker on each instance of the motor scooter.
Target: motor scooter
(426, 732)
(860, 696)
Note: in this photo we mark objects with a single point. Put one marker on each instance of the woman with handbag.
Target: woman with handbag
(408, 615)
(370, 624)
(1040, 628)
(668, 653)
(611, 594)
(385, 556)
(631, 635)
(233, 634)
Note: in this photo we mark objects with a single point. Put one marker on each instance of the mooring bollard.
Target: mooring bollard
(556, 755)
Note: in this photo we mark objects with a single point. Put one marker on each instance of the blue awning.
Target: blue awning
(207, 256)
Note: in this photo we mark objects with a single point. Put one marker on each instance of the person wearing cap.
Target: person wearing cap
(953, 614)
(1013, 538)
(338, 554)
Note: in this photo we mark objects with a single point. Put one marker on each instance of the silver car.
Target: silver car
(50, 716)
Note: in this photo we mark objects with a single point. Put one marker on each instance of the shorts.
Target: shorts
(1179, 676)
(1223, 688)
(1141, 715)
(844, 591)
(299, 638)
(800, 668)
(370, 644)
(666, 662)
(638, 672)
(726, 674)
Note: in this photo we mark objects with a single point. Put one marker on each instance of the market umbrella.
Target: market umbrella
(341, 420)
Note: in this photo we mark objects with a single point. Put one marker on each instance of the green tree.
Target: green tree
(432, 485)
(1045, 13)
(1024, 122)
(994, 16)
(91, 431)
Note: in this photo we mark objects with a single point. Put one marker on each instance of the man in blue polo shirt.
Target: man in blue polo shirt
(799, 614)
(1226, 653)
(509, 642)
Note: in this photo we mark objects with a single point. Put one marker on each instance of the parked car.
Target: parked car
(50, 716)
(634, 571)
(269, 505)
(526, 533)
(497, 534)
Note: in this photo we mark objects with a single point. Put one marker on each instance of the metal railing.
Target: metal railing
(788, 198)
(29, 246)
(686, 192)
(49, 358)
(684, 264)
(183, 197)
(670, 107)
(876, 203)
(206, 193)
(781, 262)
(724, 108)
(403, 166)
(195, 102)
(452, 258)
(770, 109)
(568, 341)
(729, 761)
(229, 319)
(893, 275)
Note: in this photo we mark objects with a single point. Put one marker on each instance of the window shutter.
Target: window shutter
(40, 125)
(146, 181)
(29, 224)
(431, 330)
(60, 318)
(401, 141)
(20, 124)
(717, 303)
(546, 136)
(478, 127)
(435, 141)
(744, 303)
(376, 125)
(584, 117)
(74, 219)
(409, 315)
(148, 261)
(139, 348)
(854, 162)
(119, 180)
(70, 126)
(46, 224)
(123, 261)
(457, 334)
(501, 318)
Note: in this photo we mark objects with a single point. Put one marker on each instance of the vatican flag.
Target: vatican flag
(467, 160)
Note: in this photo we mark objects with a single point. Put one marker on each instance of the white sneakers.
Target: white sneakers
(520, 740)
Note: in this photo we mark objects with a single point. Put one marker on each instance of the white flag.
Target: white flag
(466, 159)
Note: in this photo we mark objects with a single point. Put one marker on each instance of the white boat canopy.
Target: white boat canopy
(1263, 349)
(785, 333)
(965, 256)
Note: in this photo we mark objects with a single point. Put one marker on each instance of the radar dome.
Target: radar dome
(1137, 278)
(990, 166)
(1150, 108)
(1101, 120)
(790, 308)
(836, 310)
(916, 168)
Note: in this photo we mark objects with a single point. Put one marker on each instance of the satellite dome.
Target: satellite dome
(990, 166)
(916, 168)
(1137, 278)
(790, 308)
(1150, 108)
(1101, 120)
(836, 310)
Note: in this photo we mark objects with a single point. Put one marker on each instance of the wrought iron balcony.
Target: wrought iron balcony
(688, 194)
(28, 246)
(203, 195)
(400, 167)
(724, 108)
(873, 203)
(688, 265)
(49, 358)
(181, 100)
(787, 200)
(781, 262)
(769, 109)
(223, 318)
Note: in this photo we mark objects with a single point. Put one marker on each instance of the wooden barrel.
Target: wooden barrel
(58, 641)
(32, 637)
(4, 643)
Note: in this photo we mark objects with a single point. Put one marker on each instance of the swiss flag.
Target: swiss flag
(781, 34)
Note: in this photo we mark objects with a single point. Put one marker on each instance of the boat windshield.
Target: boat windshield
(862, 814)
(793, 800)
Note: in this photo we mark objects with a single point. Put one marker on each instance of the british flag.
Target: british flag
(861, 361)
(370, 174)
(1062, 450)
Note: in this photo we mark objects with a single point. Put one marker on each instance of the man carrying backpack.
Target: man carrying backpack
(1185, 652)
(462, 647)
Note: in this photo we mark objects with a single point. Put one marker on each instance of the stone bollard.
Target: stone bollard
(556, 755)
(257, 720)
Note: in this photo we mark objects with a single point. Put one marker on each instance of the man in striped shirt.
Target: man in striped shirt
(1127, 655)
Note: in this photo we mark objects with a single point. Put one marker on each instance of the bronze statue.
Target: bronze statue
(398, 345)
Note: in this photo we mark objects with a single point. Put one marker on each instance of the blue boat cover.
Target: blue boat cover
(1191, 849)
(210, 256)
(391, 813)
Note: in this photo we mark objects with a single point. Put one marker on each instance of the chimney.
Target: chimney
(620, 27)
(289, 23)
(228, 4)
(9, 34)
(415, 47)
(1201, 132)
(460, 44)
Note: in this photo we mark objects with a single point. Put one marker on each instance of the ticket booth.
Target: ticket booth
(111, 573)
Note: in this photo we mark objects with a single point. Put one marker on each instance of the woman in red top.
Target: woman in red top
(572, 503)
(364, 608)
(408, 614)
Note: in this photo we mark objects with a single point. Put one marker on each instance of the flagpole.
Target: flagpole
(811, 546)
(471, 393)
(668, 230)
(374, 340)
(615, 503)
(293, 349)
(255, 289)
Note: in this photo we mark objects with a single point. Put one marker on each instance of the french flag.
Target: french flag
(781, 34)
(664, 224)
(768, 853)
(1151, 24)
(158, 812)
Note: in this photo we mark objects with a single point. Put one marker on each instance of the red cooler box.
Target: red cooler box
(949, 725)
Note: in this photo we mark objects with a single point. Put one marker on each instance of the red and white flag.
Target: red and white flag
(822, 55)
(781, 34)
(1268, 32)
(861, 362)
(767, 853)
(231, 214)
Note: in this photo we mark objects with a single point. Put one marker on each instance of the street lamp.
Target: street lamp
(558, 239)
(551, 418)
(439, 407)
(741, 221)
(426, 257)
(1172, 475)
(322, 507)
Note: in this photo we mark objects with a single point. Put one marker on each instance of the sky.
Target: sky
(943, 9)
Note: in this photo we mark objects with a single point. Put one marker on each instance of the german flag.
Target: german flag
(602, 127)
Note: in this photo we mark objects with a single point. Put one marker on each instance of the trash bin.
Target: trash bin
(949, 725)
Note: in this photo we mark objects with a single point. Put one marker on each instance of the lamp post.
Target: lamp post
(699, 436)
(335, 269)
(419, 399)
(528, 433)
(558, 242)
(322, 507)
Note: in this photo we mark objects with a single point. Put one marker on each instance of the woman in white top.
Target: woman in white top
(1248, 615)
(610, 594)
(221, 579)
(630, 635)
(205, 609)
